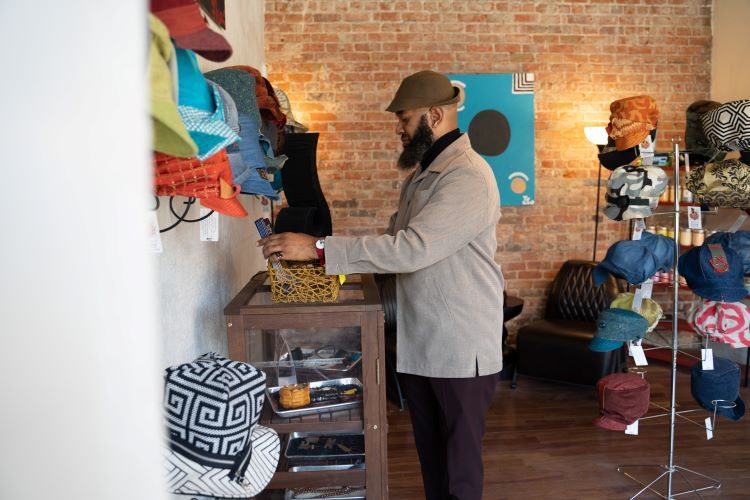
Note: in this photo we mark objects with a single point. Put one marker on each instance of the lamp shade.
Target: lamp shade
(596, 135)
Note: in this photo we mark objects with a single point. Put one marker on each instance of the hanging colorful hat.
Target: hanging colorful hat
(189, 29)
(726, 322)
(631, 119)
(728, 126)
(723, 184)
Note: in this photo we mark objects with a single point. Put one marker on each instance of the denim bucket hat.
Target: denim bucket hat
(200, 108)
(713, 272)
(636, 260)
(244, 175)
(722, 384)
(739, 242)
(615, 327)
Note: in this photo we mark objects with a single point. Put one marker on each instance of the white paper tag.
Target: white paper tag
(709, 428)
(738, 223)
(637, 299)
(636, 350)
(638, 228)
(694, 218)
(707, 358)
(632, 429)
(647, 288)
(209, 226)
(154, 236)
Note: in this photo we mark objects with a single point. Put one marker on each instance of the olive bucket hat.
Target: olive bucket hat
(422, 90)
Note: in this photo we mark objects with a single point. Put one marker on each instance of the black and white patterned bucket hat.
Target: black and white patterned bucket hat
(728, 126)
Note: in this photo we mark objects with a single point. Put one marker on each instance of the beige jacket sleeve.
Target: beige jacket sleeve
(455, 212)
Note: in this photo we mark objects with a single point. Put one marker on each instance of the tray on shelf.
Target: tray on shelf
(329, 492)
(321, 407)
(305, 446)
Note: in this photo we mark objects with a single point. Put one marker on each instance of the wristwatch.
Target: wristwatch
(320, 248)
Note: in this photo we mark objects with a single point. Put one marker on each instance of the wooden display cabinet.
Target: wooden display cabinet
(256, 326)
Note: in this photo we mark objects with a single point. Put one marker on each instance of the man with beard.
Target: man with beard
(441, 244)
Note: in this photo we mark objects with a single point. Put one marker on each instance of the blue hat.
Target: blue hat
(636, 260)
(739, 242)
(200, 108)
(712, 275)
(245, 175)
(722, 384)
(615, 327)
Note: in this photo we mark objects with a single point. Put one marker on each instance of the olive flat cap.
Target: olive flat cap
(423, 90)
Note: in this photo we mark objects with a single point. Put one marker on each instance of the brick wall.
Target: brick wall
(341, 62)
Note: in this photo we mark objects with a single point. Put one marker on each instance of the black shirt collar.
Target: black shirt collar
(438, 147)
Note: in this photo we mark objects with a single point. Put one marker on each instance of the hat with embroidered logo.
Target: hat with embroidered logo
(623, 399)
(650, 309)
(631, 119)
(636, 260)
(615, 326)
(726, 322)
(713, 272)
(728, 127)
(723, 184)
(738, 241)
(632, 191)
(717, 389)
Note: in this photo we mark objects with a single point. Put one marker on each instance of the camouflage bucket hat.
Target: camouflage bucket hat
(723, 184)
(728, 126)
(632, 191)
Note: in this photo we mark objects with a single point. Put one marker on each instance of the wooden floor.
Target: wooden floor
(540, 444)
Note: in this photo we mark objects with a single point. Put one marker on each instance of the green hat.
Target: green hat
(170, 135)
(649, 309)
(423, 90)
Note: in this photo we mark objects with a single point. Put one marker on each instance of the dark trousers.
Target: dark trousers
(448, 419)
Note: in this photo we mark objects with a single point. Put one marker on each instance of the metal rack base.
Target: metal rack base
(675, 472)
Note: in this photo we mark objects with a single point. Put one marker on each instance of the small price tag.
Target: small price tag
(647, 287)
(632, 429)
(709, 428)
(637, 299)
(738, 223)
(638, 229)
(707, 358)
(636, 350)
(154, 237)
(209, 226)
(694, 218)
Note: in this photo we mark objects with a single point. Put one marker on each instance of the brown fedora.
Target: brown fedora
(423, 90)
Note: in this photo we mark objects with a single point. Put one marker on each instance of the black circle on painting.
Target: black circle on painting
(489, 132)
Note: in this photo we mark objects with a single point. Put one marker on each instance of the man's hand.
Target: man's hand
(290, 246)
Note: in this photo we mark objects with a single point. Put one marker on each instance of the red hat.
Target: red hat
(210, 181)
(189, 29)
(623, 399)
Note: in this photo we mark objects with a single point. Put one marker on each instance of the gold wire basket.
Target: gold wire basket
(301, 282)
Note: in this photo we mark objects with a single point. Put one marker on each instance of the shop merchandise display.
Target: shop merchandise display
(229, 457)
(315, 397)
(713, 268)
(210, 119)
(623, 399)
(294, 395)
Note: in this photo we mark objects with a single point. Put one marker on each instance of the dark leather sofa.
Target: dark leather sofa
(556, 347)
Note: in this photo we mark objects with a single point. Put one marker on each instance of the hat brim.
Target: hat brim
(415, 103)
(599, 344)
(187, 477)
(613, 159)
(207, 44)
(629, 141)
(170, 135)
(605, 422)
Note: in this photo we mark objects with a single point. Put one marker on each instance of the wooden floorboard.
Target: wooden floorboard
(540, 444)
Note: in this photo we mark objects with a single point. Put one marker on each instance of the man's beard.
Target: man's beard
(417, 146)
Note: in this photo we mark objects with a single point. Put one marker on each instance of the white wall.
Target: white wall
(80, 378)
(197, 279)
(730, 73)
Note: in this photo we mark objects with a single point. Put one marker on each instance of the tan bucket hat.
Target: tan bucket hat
(423, 90)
